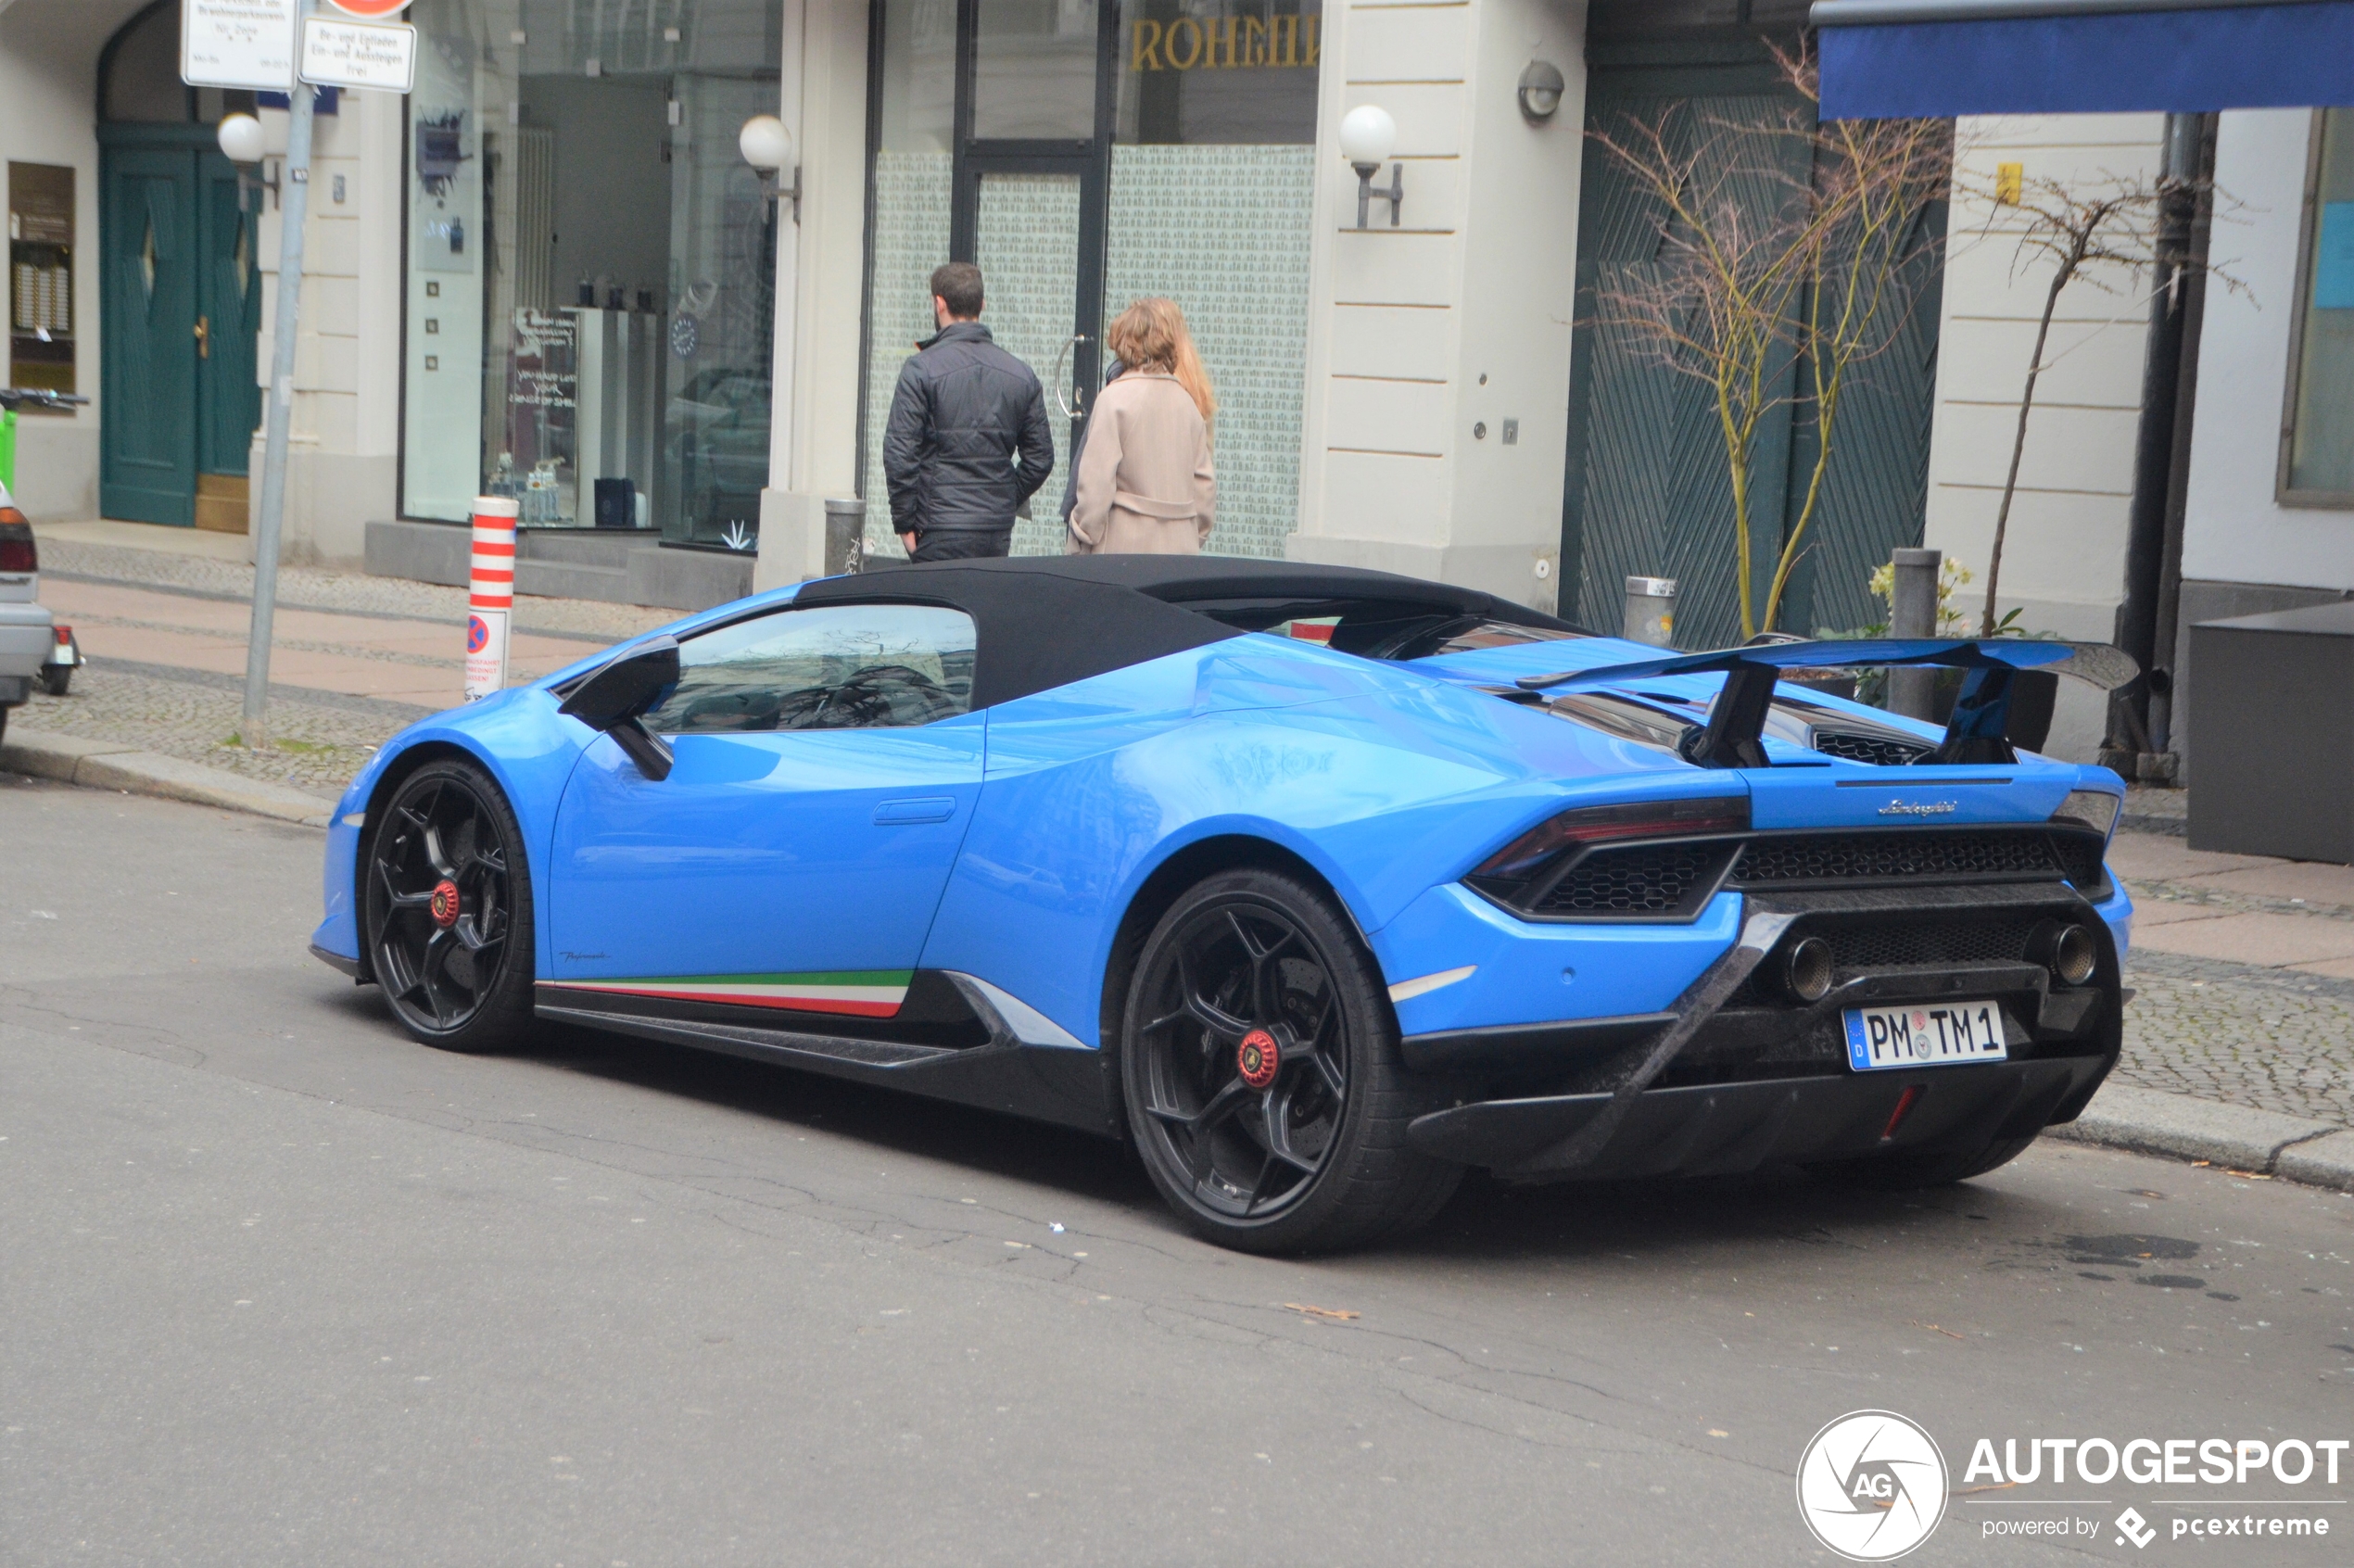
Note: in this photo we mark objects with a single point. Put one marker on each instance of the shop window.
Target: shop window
(2317, 457)
(1194, 121)
(592, 267)
(1212, 192)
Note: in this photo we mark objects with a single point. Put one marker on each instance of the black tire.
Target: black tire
(1929, 1167)
(457, 971)
(55, 678)
(1313, 1157)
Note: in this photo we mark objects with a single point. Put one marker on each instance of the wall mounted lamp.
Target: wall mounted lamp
(1367, 135)
(1541, 86)
(243, 143)
(767, 147)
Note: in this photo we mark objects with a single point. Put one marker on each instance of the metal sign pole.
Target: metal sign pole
(294, 203)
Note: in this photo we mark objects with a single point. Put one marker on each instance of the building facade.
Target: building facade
(548, 272)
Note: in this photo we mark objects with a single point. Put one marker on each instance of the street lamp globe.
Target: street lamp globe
(764, 142)
(241, 138)
(1367, 135)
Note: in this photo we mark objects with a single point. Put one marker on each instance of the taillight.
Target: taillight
(1635, 819)
(16, 550)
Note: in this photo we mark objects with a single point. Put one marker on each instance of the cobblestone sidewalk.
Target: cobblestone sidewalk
(322, 740)
(2245, 995)
(2276, 1040)
(320, 737)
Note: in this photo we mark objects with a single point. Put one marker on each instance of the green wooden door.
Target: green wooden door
(148, 268)
(229, 307)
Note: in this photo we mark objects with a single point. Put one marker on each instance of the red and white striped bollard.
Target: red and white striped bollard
(491, 598)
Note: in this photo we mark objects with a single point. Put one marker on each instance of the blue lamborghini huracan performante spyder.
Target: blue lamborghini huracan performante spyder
(1317, 885)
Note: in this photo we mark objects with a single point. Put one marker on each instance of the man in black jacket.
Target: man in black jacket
(964, 411)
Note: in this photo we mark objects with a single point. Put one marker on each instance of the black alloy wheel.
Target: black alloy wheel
(1259, 1063)
(448, 910)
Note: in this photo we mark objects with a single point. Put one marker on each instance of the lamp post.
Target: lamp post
(1367, 135)
(278, 401)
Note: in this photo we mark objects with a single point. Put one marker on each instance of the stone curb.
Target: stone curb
(104, 764)
(2149, 1121)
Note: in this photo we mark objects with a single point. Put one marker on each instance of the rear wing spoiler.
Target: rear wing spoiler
(1975, 734)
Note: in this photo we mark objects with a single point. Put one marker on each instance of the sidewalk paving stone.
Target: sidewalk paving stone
(2249, 937)
(2153, 855)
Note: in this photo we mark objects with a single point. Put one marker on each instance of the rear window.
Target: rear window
(1378, 630)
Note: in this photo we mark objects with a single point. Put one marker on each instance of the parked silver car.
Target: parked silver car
(27, 632)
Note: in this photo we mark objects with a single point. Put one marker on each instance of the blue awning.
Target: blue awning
(1936, 58)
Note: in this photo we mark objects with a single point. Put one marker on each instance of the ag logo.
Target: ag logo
(1871, 1486)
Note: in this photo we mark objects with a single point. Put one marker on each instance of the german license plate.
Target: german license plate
(1945, 1034)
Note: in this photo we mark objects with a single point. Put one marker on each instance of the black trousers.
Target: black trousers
(962, 544)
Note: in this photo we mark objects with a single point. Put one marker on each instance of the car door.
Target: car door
(827, 763)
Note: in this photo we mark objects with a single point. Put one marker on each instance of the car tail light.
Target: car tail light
(1702, 818)
(2096, 809)
(17, 552)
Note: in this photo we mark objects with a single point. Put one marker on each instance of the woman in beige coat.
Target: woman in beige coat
(1145, 484)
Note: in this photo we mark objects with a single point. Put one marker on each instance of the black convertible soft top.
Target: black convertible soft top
(1045, 621)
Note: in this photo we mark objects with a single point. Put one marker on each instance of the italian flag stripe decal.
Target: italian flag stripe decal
(868, 993)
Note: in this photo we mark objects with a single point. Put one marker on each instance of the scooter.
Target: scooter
(65, 650)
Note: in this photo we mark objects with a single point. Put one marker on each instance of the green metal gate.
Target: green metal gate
(1645, 488)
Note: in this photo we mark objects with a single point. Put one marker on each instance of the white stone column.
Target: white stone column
(814, 441)
(342, 467)
(1437, 395)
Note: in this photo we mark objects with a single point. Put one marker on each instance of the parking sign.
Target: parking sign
(247, 44)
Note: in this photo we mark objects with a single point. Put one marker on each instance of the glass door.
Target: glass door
(1007, 104)
(1027, 243)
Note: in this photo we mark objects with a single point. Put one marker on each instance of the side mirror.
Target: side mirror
(618, 692)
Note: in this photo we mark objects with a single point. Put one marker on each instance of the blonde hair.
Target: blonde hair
(1150, 334)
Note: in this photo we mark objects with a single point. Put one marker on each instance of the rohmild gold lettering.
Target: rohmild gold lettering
(1193, 48)
(1231, 43)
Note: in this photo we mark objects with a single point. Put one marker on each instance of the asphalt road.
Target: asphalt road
(277, 1286)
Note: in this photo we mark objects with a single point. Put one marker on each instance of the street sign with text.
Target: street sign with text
(247, 44)
(366, 55)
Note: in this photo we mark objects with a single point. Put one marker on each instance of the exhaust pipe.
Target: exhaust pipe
(2067, 949)
(1806, 969)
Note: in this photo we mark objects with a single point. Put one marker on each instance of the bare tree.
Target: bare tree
(1778, 241)
(2088, 236)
